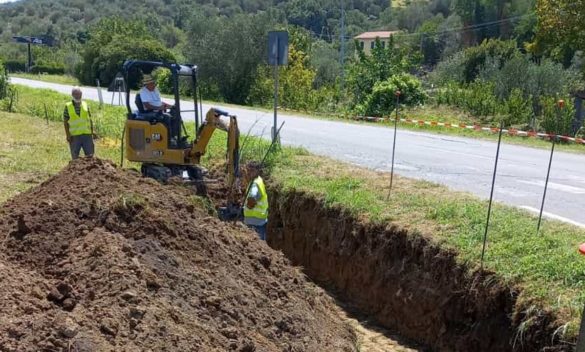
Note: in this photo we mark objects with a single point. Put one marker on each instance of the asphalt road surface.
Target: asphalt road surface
(463, 164)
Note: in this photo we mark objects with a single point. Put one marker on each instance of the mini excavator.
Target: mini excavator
(158, 140)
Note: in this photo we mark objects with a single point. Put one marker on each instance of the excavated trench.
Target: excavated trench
(404, 281)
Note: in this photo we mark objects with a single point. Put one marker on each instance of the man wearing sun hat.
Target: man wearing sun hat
(150, 96)
(153, 104)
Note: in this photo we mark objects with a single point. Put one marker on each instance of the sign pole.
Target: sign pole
(277, 56)
(42, 40)
(275, 74)
(29, 59)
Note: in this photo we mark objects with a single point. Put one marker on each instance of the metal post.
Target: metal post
(274, 134)
(394, 144)
(561, 104)
(46, 114)
(29, 58)
(487, 224)
(581, 340)
(99, 91)
(342, 42)
(195, 102)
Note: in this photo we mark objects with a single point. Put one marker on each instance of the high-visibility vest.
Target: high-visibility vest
(260, 211)
(78, 124)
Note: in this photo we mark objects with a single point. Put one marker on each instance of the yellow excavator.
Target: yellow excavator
(159, 140)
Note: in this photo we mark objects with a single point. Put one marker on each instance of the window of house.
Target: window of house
(372, 45)
(362, 45)
(383, 45)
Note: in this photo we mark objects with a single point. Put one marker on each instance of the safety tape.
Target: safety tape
(511, 131)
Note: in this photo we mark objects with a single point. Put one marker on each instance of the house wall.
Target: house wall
(368, 44)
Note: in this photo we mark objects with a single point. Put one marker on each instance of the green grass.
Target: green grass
(61, 79)
(32, 150)
(546, 266)
(49, 105)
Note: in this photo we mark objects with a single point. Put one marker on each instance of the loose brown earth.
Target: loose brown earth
(99, 259)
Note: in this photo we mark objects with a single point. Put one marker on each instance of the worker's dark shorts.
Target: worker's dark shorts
(85, 142)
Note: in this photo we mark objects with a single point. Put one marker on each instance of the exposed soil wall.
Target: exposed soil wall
(405, 281)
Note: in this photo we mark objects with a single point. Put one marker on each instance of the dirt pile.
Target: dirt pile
(99, 259)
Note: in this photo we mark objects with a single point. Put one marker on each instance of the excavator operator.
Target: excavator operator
(155, 108)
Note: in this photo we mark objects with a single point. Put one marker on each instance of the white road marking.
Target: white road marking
(576, 178)
(553, 216)
(556, 186)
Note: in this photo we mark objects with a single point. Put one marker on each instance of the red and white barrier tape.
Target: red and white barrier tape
(511, 132)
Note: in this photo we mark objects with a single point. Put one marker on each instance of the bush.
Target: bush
(51, 69)
(3, 82)
(164, 83)
(552, 121)
(465, 67)
(15, 66)
(518, 109)
(382, 100)
(476, 98)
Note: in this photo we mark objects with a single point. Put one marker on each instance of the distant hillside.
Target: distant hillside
(68, 19)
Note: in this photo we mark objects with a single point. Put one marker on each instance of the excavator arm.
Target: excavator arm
(212, 122)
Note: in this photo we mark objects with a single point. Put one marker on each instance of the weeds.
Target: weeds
(204, 203)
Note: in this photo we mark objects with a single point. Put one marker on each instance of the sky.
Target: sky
(3, 1)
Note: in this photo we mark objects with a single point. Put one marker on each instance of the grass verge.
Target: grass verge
(547, 266)
(60, 79)
(32, 150)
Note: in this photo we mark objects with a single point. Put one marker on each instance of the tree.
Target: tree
(560, 27)
(430, 42)
(228, 52)
(325, 59)
(383, 62)
(109, 46)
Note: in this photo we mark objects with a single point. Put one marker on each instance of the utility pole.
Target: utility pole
(342, 42)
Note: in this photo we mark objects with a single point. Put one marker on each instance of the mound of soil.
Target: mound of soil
(100, 259)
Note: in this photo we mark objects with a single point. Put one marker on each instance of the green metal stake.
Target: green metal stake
(561, 104)
(397, 93)
(487, 224)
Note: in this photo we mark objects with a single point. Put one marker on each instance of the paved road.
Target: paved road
(461, 163)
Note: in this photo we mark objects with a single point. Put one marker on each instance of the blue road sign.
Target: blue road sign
(278, 48)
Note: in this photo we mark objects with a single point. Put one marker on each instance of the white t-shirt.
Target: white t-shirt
(151, 97)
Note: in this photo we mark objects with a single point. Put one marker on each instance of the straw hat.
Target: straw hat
(147, 79)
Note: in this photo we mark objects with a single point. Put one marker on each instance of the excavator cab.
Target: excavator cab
(159, 140)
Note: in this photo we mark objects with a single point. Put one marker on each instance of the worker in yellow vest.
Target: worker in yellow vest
(256, 204)
(78, 125)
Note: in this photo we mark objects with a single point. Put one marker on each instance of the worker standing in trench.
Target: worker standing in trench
(256, 203)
